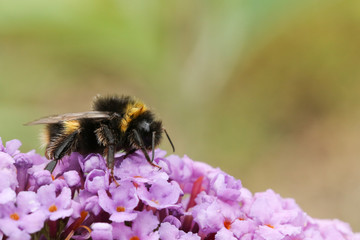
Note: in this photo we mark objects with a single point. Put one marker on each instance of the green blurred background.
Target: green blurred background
(266, 90)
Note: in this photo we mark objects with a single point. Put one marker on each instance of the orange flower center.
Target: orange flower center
(52, 208)
(269, 225)
(135, 238)
(227, 224)
(120, 209)
(14, 216)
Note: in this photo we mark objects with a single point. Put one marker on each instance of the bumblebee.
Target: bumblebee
(115, 124)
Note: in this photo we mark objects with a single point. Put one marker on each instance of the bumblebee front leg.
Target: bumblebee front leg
(107, 139)
(142, 148)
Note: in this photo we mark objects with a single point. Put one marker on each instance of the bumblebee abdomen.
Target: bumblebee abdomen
(50, 132)
(57, 138)
(71, 136)
(55, 130)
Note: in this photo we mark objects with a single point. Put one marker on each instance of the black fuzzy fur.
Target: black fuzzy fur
(112, 104)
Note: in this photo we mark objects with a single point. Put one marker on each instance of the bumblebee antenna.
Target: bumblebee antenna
(142, 148)
(168, 137)
(153, 145)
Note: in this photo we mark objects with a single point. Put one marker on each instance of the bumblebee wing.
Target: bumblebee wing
(70, 116)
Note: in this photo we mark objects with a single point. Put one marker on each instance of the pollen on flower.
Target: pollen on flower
(120, 209)
(52, 208)
(155, 201)
(269, 225)
(227, 224)
(14, 216)
(135, 238)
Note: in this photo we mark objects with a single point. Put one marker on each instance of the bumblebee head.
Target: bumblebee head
(150, 133)
(144, 133)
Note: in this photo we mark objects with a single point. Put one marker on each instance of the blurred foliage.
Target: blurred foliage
(268, 91)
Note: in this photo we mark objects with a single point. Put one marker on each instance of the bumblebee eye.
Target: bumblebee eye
(145, 126)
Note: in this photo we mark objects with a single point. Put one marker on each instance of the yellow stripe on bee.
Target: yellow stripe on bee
(133, 110)
(71, 126)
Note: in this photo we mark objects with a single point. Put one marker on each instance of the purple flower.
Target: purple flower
(212, 214)
(97, 180)
(185, 171)
(22, 163)
(23, 217)
(168, 231)
(8, 180)
(172, 220)
(180, 170)
(329, 229)
(144, 225)
(277, 217)
(72, 178)
(91, 162)
(142, 228)
(55, 206)
(89, 202)
(7, 195)
(161, 194)
(224, 234)
(41, 177)
(67, 163)
(122, 202)
(101, 231)
(225, 187)
(137, 169)
(242, 227)
(11, 147)
(246, 200)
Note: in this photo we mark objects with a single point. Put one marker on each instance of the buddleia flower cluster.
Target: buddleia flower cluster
(184, 200)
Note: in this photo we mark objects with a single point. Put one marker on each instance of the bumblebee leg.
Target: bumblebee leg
(51, 166)
(153, 146)
(110, 156)
(110, 161)
(142, 148)
(64, 145)
(108, 140)
(59, 148)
